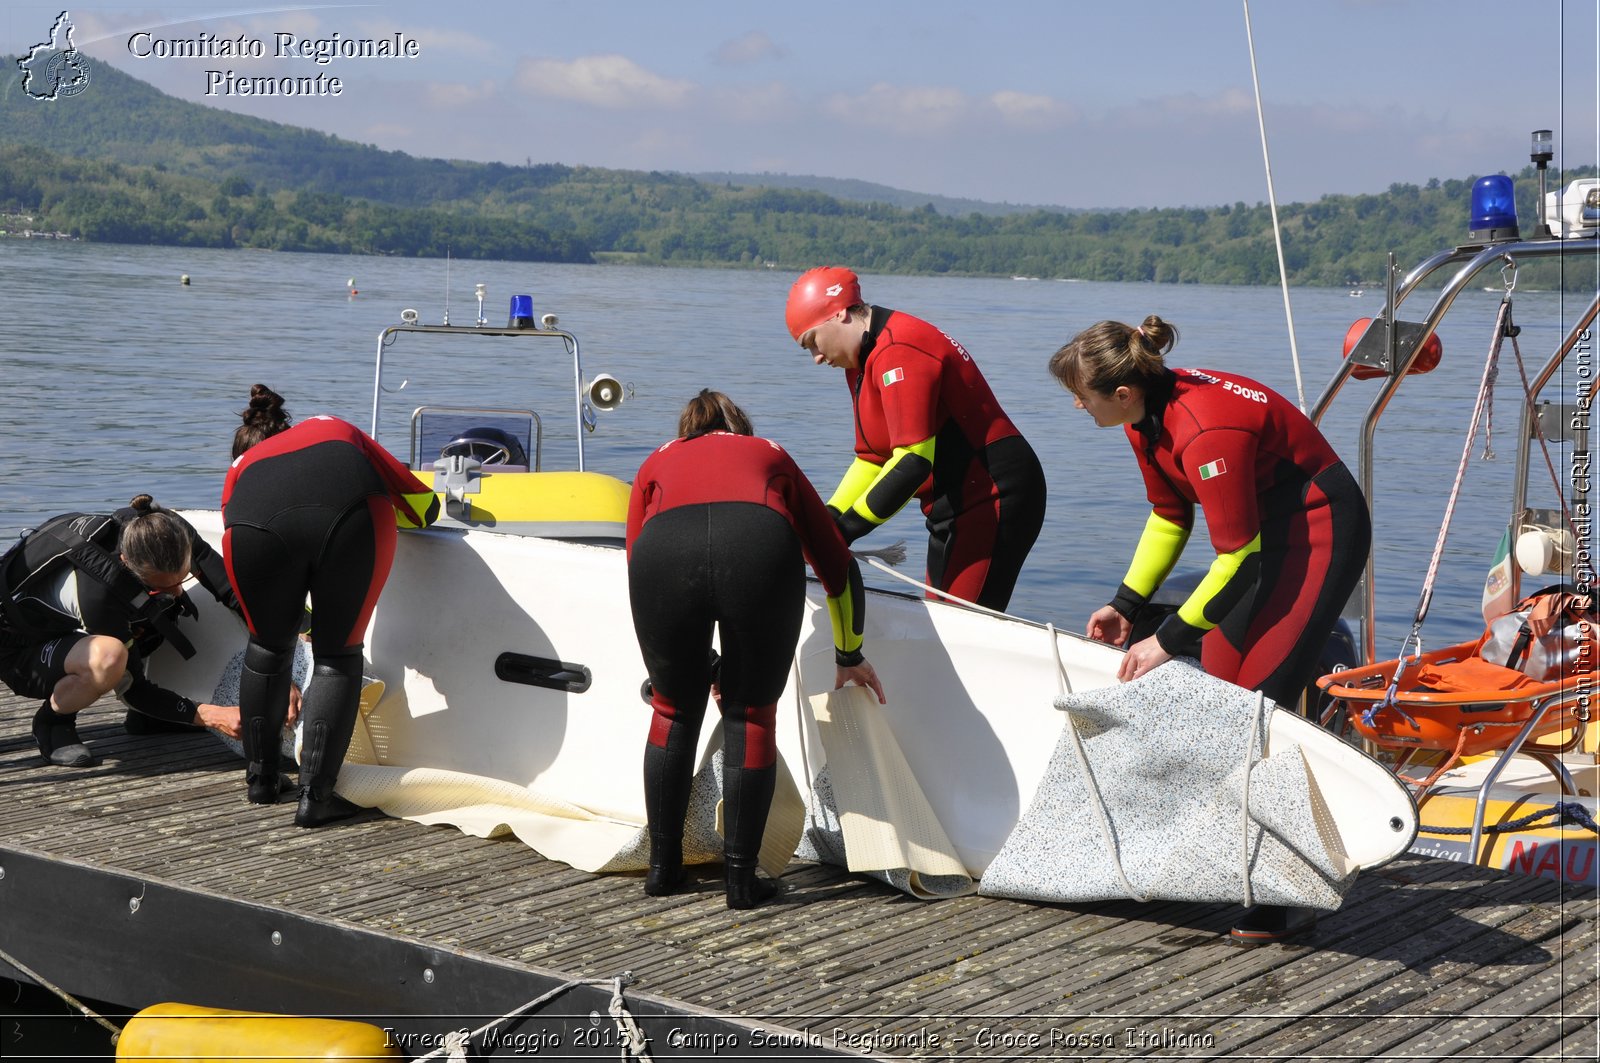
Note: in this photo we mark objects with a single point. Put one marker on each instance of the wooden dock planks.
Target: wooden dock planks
(1426, 960)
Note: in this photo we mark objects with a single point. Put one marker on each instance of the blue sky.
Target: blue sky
(1082, 103)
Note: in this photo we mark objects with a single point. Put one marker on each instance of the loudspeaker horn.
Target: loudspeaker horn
(606, 392)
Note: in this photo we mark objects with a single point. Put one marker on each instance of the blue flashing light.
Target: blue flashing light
(1494, 209)
(521, 312)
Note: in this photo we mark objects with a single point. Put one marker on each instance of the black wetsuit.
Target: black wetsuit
(312, 510)
(54, 606)
(719, 526)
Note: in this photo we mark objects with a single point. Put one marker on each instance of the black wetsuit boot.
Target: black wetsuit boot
(746, 798)
(57, 736)
(667, 777)
(263, 706)
(328, 714)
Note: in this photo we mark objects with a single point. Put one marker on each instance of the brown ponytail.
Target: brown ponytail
(263, 418)
(1109, 355)
(153, 541)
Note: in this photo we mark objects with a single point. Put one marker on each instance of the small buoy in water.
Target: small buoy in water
(351, 284)
(184, 279)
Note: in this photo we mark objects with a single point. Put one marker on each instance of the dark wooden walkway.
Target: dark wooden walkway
(1426, 960)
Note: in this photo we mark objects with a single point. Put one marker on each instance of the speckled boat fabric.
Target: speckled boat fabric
(1174, 758)
(227, 693)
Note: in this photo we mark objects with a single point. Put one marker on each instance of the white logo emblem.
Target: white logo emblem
(833, 289)
(60, 67)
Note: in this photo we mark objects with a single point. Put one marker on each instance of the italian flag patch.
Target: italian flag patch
(893, 376)
(1213, 468)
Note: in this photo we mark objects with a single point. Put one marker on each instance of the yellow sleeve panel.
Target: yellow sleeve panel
(842, 614)
(423, 503)
(857, 478)
(1159, 546)
(896, 483)
(1221, 574)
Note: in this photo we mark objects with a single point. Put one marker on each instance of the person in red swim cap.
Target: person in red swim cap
(927, 427)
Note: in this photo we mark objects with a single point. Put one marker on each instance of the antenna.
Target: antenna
(447, 284)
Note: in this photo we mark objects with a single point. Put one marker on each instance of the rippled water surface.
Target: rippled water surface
(118, 379)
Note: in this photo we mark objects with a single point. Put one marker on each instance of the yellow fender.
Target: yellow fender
(194, 1034)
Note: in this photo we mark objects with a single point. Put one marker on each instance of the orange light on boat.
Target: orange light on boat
(1426, 361)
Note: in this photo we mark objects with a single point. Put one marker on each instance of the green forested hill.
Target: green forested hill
(124, 162)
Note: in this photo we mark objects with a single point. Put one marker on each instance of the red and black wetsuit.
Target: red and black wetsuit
(313, 510)
(927, 425)
(1288, 522)
(719, 529)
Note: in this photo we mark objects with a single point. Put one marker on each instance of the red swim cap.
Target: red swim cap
(818, 295)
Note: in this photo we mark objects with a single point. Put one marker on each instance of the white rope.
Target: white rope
(634, 1042)
(1272, 200)
(1244, 801)
(456, 1043)
(946, 595)
(115, 1031)
(1107, 833)
(1485, 393)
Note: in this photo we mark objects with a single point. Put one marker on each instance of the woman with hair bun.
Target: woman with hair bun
(309, 509)
(1288, 523)
(720, 525)
(84, 598)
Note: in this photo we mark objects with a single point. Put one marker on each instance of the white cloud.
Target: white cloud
(906, 109)
(449, 94)
(1031, 111)
(749, 48)
(610, 81)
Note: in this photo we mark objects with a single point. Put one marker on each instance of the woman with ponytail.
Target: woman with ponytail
(1287, 521)
(309, 510)
(84, 598)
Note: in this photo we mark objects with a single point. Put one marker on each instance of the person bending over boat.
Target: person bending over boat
(720, 524)
(309, 509)
(1287, 520)
(84, 598)
(927, 426)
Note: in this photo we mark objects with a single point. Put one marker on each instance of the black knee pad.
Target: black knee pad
(263, 661)
(347, 665)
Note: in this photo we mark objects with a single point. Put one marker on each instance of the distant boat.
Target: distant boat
(1356, 293)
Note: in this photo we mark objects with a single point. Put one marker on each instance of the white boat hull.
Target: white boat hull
(970, 695)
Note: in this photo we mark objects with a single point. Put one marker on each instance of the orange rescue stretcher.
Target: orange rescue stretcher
(1451, 701)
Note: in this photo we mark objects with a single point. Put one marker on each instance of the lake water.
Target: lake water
(118, 379)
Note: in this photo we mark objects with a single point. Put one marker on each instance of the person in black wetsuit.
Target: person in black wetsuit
(309, 510)
(84, 598)
(720, 524)
(1288, 522)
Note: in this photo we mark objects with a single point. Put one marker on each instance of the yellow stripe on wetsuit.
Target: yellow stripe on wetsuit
(870, 494)
(1195, 611)
(845, 613)
(1159, 546)
(421, 510)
